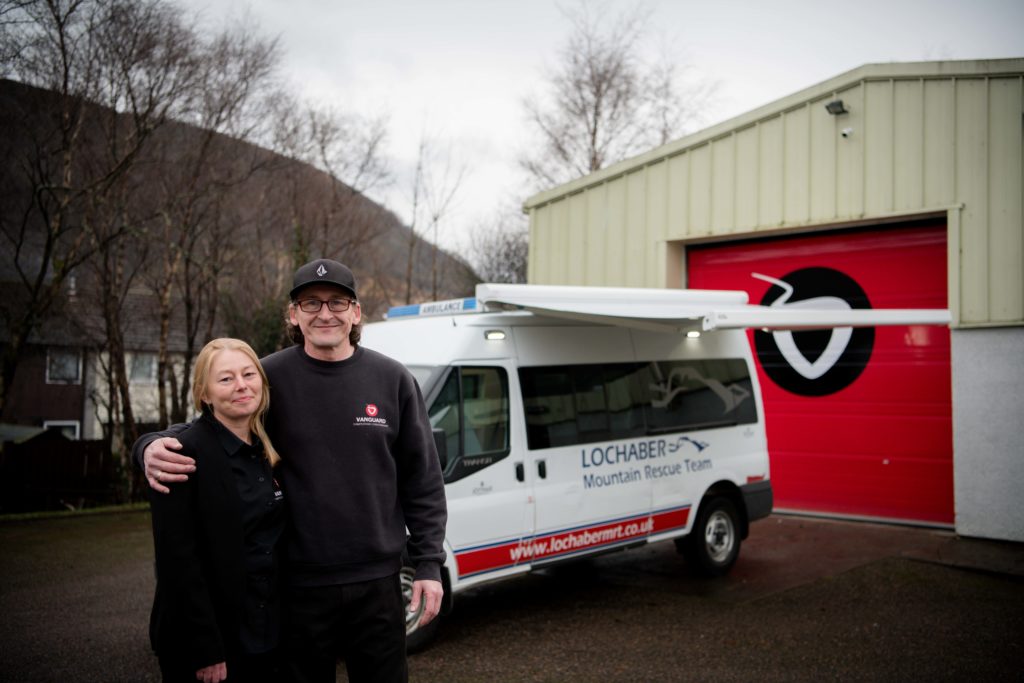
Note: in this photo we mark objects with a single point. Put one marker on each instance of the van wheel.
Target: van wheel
(416, 636)
(713, 544)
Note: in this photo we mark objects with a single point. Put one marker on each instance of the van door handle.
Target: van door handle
(520, 472)
(542, 469)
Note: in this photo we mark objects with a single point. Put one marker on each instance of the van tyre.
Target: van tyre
(417, 636)
(713, 544)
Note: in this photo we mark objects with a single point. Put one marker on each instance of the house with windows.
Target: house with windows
(49, 389)
(61, 379)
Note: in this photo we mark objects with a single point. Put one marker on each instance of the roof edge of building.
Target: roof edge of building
(832, 87)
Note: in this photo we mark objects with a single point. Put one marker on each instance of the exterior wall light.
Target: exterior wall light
(692, 334)
(494, 335)
(835, 107)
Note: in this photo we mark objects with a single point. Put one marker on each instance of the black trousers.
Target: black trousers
(262, 668)
(364, 623)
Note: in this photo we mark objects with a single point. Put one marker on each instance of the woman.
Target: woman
(216, 613)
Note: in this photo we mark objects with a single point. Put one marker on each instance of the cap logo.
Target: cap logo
(321, 271)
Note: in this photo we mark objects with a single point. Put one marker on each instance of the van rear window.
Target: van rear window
(573, 404)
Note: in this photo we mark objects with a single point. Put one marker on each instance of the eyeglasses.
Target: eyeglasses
(333, 305)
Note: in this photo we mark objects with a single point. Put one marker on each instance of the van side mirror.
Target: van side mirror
(441, 442)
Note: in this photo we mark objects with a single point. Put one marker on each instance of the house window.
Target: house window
(63, 366)
(68, 428)
(142, 369)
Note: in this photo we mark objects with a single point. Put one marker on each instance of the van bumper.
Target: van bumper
(757, 497)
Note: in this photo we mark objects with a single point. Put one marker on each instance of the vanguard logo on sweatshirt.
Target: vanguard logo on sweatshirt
(371, 419)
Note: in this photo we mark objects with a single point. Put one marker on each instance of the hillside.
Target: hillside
(193, 209)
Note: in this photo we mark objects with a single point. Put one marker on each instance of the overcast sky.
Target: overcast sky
(459, 69)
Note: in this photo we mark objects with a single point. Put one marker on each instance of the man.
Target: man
(358, 467)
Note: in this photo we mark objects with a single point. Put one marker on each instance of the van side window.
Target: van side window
(472, 409)
(699, 394)
(550, 407)
(591, 406)
(575, 404)
(627, 399)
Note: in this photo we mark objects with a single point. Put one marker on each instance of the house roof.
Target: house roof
(77, 321)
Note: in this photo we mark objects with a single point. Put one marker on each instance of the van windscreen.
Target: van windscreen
(425, 376)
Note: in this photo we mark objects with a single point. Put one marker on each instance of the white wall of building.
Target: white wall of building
(988, 431)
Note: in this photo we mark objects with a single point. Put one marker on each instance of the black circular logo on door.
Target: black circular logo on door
(814, 362)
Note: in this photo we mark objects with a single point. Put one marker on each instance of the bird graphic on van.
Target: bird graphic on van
(681, 379)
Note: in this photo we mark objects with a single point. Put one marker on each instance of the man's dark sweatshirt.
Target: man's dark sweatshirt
(358, 467)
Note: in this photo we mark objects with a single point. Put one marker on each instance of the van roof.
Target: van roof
(664, 310)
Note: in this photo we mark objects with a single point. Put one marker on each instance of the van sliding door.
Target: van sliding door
(590, 493)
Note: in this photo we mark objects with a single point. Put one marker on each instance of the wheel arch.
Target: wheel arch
(727, 489)
(448, 599)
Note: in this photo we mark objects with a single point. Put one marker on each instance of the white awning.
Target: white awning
(768, 318)
(682, 310)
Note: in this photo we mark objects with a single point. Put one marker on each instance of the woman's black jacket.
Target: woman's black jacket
(198, 538)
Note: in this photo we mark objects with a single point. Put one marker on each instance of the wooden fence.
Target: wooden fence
(51, 472)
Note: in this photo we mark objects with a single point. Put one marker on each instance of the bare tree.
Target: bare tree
(499, 252)
(349, 148)
(115, 269)
(414, 221)
(308, 201)
(234, 71)
(182, 210)
(436, 182)
(604, 102)
(443, 182)
(129, 57)
(335, 219)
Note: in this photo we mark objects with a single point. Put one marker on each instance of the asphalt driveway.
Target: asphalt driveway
(809, 600)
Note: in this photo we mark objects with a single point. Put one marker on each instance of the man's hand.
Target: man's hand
(431, 593)
(163, 465)
(213, 673)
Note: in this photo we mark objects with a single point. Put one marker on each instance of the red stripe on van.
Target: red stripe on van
(565, 543)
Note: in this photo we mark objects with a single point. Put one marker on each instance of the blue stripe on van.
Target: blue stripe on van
(433, 308)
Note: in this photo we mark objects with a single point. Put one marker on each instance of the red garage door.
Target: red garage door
(858, 421)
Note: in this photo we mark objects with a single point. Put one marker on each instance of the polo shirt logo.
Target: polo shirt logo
(372, 418)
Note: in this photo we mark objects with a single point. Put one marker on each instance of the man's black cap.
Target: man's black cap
(324, 272)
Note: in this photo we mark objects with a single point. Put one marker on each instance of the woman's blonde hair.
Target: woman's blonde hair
(201, 376)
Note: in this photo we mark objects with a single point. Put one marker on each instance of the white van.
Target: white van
(574, 421)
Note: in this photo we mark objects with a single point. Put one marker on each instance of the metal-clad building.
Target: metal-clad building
(910, 193)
